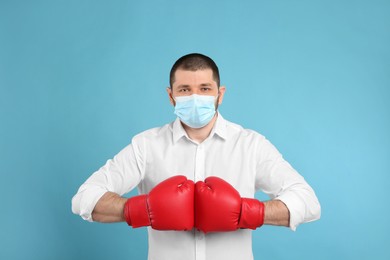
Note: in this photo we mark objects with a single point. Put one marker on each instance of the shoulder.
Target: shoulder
(251, 140)
(164, 132)
(238, 131)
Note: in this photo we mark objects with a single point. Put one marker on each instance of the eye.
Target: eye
(205, 89)
(183, 90)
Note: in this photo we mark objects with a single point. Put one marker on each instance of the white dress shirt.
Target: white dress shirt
(242, 157)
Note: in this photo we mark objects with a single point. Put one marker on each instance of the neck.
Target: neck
(200, 134)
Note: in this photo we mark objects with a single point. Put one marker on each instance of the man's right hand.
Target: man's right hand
(168, 206)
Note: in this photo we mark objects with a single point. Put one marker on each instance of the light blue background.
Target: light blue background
(79, 78)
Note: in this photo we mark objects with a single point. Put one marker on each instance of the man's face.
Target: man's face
(199, 82)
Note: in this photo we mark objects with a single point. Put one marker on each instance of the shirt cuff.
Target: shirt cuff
(84, 202)
(295, 207)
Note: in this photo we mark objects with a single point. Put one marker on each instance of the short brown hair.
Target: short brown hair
(194, 62)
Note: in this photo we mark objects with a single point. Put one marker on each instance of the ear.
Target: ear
(171, 100)
(221, 92)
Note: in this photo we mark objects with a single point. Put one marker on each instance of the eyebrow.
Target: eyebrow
(183, 86)
(201, 85)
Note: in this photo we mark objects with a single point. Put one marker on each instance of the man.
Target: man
(213, 218)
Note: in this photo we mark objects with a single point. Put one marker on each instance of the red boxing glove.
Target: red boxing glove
(219, 207)
(168, 206)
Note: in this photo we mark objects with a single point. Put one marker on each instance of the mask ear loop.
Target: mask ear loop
(217, 101)
(173, 99)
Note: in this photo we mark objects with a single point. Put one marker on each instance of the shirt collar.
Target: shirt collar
(218, 129)
(178, 130)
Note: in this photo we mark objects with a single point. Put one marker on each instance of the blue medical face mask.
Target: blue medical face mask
(196, 111)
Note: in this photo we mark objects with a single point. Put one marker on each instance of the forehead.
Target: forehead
(197, 77)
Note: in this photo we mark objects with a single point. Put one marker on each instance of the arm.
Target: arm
(98, 198)
(220, 208)
(157, 209)
(109, 208)
(276, 213)
(284, 185)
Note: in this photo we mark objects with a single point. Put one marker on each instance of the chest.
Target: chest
(235, 163)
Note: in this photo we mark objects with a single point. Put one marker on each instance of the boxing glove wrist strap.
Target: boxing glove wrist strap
(136, 211)
(252, 213)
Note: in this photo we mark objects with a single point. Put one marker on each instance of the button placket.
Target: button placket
(199, 163)
(200, 242)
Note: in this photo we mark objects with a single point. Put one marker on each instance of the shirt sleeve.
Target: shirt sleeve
(280, 181)
(119, 175)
